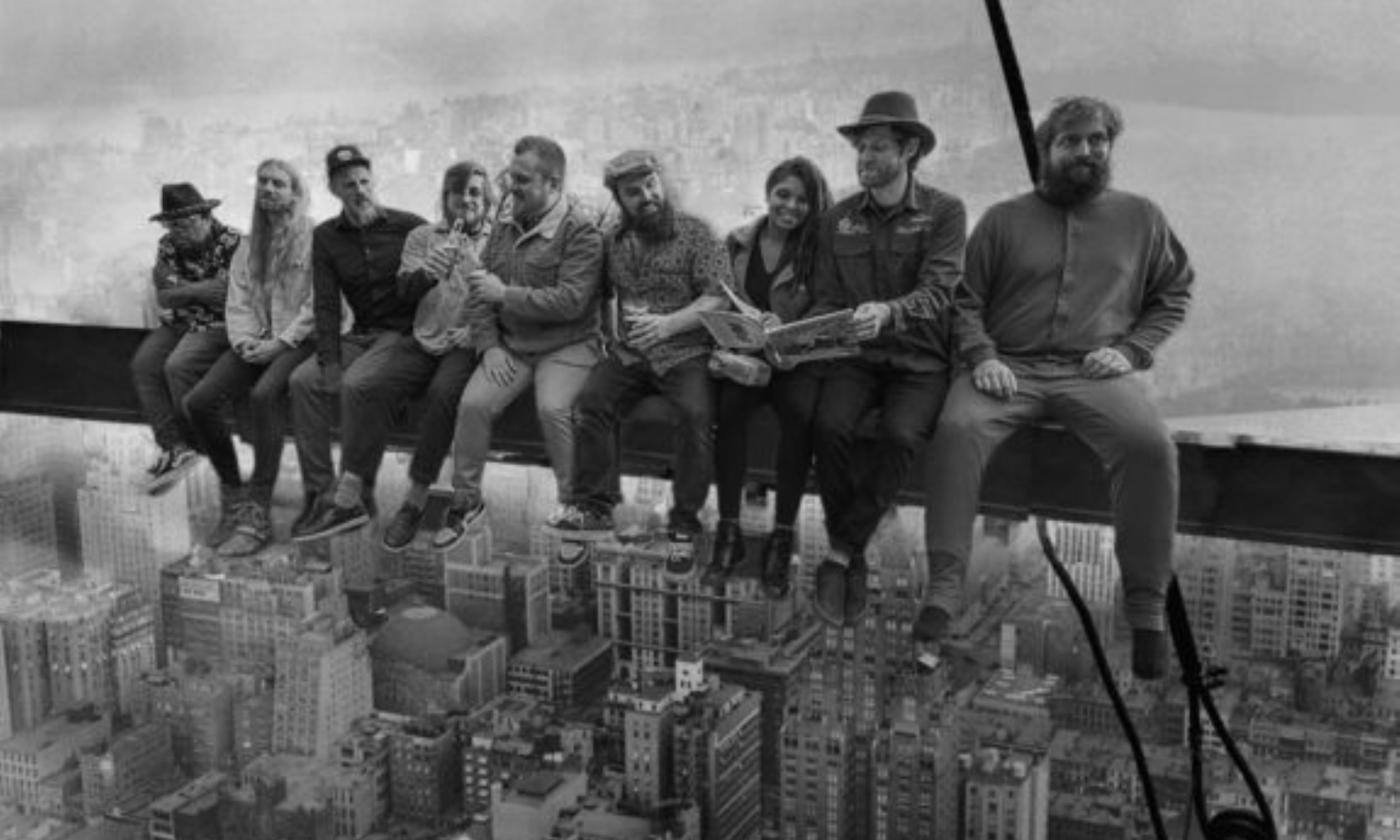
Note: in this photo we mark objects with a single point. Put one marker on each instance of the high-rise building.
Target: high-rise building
(133, 643)
(191, 812)
(197, 703)
(365, 750)
(648, 745)
(717, 739)
(323, 683)
(26, 676)
(28, 760)
(653, 619)
(504, 593)
(1006, 794)
(776, 670)
(128, 535)
(563, 670)
(425, 661)
(27, 525)
(1086, 551)
(234, 613)
(818, 774)
(136, 767)
(915, 773)
(424, 770)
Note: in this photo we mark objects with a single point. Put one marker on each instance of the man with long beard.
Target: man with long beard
(893, 254)
(355, 256)
(664, 267)
(1069, 291)
(269, 320)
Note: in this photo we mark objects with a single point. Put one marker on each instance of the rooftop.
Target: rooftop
(427, 638)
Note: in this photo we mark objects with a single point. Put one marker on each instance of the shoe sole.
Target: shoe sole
(826, 617)
(579, 557)
(348, 525)
(580, 536)
(468, 525)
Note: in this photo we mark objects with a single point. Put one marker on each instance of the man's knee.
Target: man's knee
(200, 402)
(305, 381)
(1149, 445)
(265, 398)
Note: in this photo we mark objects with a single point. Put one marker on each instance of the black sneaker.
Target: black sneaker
(581, 523)
(333, 520)
(684, 530)
(857, 591)
(680, 560)
(231, 500)
(455, 526)
(171, 465)
(403, 527)
(1149, 654)
(829, 592)
(777, 564)
(931, 625)
(310, 510)
(727, 552)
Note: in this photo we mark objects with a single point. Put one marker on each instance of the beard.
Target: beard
(657, 225)
(361, 212)
(873, 176)
(1074, 182)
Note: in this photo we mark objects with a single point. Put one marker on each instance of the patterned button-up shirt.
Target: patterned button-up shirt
(207, 265)
(663, 277)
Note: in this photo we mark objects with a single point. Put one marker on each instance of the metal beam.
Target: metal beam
(1311, 497)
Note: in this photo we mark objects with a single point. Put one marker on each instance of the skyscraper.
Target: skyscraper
(915, 773)
(818, 773)
(1006, 794)
(323, 682)
(717, 739)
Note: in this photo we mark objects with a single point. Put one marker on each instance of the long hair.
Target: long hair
(804, 239)
(272, 251)
(456, 178)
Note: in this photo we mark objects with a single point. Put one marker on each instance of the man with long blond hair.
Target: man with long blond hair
(269, 319)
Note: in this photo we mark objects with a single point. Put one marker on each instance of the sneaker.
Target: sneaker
(170, 466)
(776, 564)
(857, 592)
(253, 531)
(455, 525)
(829, 592)
(684, 529)
(579, 523)
(333, 520)
(310, 510)
(931, 625)
(231, 502)
(403, 527)
(556, 516)
(1149, 653)
(680, 561)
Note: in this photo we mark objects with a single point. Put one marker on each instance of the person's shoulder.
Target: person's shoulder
(403, 219)
(1123, 201)
(937, 199)
(692, 228)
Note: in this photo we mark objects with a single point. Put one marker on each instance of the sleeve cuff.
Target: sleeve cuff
(1139, 358)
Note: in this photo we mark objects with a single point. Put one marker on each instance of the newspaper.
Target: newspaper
(823, 337)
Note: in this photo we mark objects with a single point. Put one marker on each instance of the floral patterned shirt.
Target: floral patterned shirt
(660, 278)
(208, 265)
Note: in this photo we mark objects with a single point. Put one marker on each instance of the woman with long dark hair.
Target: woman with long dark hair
(772, 262)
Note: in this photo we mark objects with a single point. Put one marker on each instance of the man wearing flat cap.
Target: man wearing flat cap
(359, 375)
(191, 283)
(892, 253)
(663, 267)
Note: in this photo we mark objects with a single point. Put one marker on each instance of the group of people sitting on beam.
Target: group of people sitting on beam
(1050, 309)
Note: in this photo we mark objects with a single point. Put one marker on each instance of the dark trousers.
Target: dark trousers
(1117, 420)
(860, 479)
(440, 404)
(380, 371)
(164, 368)
(611, 392)
(793, 395)
(230, 379)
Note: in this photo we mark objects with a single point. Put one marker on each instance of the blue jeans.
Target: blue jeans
(231, 378)
(164, 368)
(857, 491)
(612, 391)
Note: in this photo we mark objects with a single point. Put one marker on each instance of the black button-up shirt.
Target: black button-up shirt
(909, 256)
(361, 264)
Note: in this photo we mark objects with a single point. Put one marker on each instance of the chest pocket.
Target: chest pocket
(541, 267)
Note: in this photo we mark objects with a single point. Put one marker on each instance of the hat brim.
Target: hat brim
(927, 139)
(346, 164)
(193, 209)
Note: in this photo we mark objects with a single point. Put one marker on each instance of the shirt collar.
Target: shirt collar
(548, 225)
(912, 200)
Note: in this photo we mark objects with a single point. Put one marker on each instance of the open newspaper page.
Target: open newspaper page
(735, 330)
(823, 337)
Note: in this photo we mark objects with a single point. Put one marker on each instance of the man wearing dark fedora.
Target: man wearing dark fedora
(892, 253)
(191, 283)
(357, 375)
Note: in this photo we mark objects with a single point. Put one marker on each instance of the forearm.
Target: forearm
(687, 319)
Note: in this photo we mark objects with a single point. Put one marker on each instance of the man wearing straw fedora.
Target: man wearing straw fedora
(191, 283)
(892, 253)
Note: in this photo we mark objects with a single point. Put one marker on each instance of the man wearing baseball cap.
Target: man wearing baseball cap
(663, 267)
(892, 253)
(191, 283)
(355, 257)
